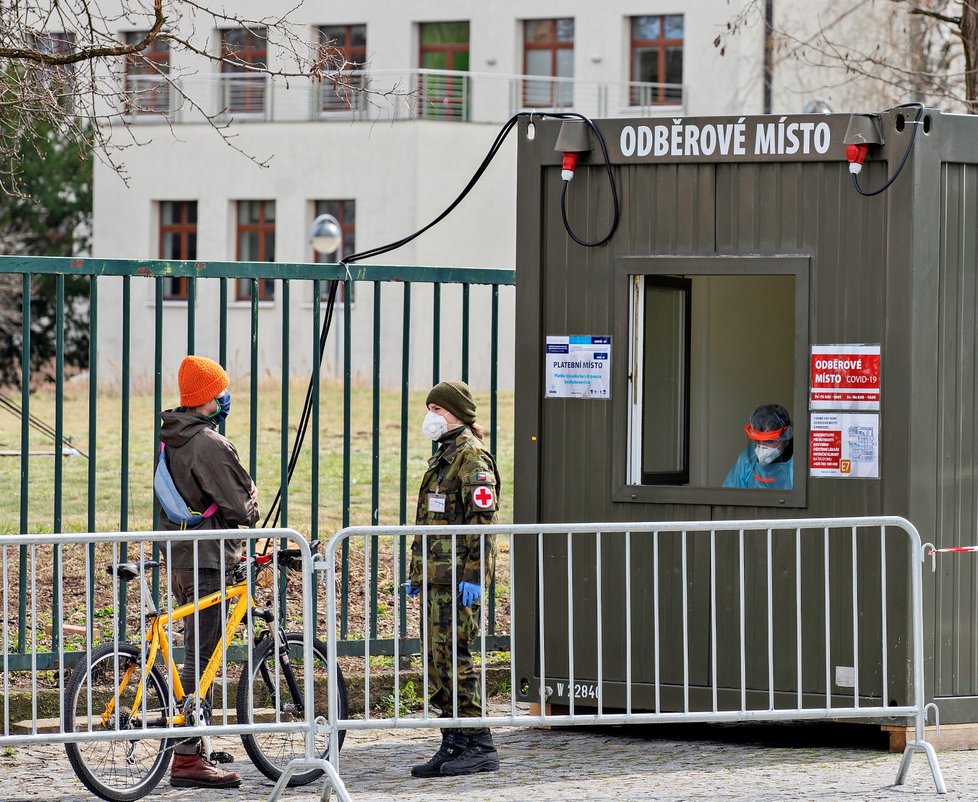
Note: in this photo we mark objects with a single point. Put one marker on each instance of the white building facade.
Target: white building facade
(441, 78)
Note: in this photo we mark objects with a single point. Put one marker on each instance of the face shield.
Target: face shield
(768, 445)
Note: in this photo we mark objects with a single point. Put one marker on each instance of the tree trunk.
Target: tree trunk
(969, 39)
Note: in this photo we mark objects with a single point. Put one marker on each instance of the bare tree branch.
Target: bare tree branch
(920, 12)
(926, 50)
(89, 53)
(90, 73)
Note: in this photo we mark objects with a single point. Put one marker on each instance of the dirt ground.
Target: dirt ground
(75, 568)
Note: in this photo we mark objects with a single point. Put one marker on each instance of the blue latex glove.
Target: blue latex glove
(470, 593)
(411, 590)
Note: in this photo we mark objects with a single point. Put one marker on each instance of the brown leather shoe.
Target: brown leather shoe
(192, 771)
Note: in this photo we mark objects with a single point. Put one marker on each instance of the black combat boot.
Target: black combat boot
(453, 744)
(479, 755)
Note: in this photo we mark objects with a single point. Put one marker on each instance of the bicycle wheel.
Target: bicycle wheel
(267, 697)
(125, 769)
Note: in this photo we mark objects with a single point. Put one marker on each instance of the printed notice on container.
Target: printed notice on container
(845, 377)
(844, 445)
(578, 366)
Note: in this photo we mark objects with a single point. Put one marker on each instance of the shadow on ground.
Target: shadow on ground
(788, 735)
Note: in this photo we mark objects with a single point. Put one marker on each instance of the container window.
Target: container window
(665, 381)
(706, 351)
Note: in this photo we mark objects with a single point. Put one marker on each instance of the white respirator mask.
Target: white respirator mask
(766, 454)
(434, 425)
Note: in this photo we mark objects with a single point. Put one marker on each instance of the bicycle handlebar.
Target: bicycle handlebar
(290, 559)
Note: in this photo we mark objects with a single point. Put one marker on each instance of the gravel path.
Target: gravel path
(750, 763)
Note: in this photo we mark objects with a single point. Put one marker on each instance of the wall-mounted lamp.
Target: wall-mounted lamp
(325, 234)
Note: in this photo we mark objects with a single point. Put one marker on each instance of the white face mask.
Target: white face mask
(766, 454)
(434, 425)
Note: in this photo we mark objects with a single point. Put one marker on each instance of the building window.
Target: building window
(657, 60)
(244, 50)
(345, 212)
(147, 90)
(345, 46)
(444, 47)
(256, 243)
(665, 386)
(178, 240)
(58, 80)
(694, 378)
(548, 50)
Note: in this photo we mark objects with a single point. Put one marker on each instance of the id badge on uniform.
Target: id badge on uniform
(436, 502)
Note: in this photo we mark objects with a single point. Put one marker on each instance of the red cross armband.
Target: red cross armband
(481, 487)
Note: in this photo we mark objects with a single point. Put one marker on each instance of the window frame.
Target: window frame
(453, 95)
(156, 61)
(662, 44)
(60, 79)
(255, 84)
(344, 99)
(448, 48)
(242, 291)
(680, 477)
(560, 97)
(627, 268)
(184, 228)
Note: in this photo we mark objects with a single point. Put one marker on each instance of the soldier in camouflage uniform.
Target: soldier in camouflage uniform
(461, 486)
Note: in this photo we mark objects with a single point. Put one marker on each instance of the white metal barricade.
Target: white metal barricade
(102, 603)
(660, 557)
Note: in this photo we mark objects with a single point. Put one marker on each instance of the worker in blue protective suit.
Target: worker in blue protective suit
(766, 462)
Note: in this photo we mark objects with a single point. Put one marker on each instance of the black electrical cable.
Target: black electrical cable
(614, 195)
(906, 153)
(490, 155)
(275, 509)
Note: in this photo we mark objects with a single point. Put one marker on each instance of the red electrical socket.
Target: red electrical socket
(568, 165)
(856, 154)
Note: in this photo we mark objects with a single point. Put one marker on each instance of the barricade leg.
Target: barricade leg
(935, 769)
(332, 783)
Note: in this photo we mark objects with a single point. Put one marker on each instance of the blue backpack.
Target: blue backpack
(174, 507)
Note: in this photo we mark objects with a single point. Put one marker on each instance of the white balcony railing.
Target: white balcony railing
(392, 95)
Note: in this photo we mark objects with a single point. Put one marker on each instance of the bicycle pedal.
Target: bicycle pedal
(222, 757)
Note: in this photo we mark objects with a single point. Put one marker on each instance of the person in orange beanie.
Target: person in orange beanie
(208, 474)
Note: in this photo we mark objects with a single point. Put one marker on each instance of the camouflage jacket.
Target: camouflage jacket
(461, 486)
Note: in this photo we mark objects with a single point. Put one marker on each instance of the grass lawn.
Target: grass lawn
(133, 481)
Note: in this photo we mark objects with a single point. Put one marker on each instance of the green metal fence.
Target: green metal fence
(117, 335)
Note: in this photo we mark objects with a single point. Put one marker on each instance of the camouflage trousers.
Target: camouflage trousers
(441, 668)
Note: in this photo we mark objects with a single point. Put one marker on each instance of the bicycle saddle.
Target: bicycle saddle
(127, 571)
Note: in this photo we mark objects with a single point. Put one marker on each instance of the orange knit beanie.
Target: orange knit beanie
(200, 380)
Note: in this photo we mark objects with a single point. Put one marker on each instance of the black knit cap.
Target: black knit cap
(456, 397)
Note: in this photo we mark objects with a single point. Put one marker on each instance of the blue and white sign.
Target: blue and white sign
(578, 366)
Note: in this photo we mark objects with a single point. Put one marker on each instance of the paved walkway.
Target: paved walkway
(753, 764)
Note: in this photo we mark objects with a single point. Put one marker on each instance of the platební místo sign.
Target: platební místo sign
(578, 366)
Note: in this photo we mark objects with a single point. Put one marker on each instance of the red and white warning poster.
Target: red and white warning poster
(844, 445)
(845, 377)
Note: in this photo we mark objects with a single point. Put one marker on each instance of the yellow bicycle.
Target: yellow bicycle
(123, 687)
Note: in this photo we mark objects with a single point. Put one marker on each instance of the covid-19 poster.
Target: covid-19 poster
(845, 377)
